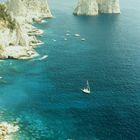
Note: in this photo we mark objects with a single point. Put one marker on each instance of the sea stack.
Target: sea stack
(95, 7)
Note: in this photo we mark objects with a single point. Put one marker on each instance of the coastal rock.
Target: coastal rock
(6, 130)
(94, 7)
(18, 36)
(86, 7)
(18, 52)
(29, 9)
(14, 44)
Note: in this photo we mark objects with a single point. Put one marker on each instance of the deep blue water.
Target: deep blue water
(45, 97)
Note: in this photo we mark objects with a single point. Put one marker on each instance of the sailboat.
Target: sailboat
(87, 89)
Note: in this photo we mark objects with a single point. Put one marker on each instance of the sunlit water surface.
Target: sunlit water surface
(45, 96)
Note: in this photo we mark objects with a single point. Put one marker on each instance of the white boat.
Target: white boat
(67, 34)
(86, 89)
(83, 39)
(77, 35)
(54, 40)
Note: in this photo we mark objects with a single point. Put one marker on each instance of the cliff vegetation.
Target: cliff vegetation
(6, 19)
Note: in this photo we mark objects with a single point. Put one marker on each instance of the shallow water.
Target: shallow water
(44, 96)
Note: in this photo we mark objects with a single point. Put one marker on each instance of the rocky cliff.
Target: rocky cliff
(94, 7)
(17, 35)
(29, 9)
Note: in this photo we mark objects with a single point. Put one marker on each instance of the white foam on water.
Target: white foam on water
(43, 57)
(40, 58)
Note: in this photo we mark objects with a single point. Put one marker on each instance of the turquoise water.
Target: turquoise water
(45, 97)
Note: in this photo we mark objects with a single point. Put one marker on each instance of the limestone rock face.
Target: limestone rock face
(94, 7)
(109, 6)
(17, 43)
(29, 9)
(86, 7)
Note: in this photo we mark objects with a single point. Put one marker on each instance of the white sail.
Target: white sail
(88, 87)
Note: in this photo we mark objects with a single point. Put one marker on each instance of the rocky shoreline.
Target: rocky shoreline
(19, 42)
(7, 129)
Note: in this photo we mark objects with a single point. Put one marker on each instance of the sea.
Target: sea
(44, 95)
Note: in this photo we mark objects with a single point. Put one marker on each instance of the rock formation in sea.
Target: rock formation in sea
(94, 7)
(18, 36)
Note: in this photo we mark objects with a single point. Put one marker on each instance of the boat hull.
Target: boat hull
(86, 91)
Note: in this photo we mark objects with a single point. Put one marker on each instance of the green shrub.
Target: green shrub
(1, 47)
(5, 16)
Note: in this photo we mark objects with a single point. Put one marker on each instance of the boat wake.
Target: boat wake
(41, 58)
